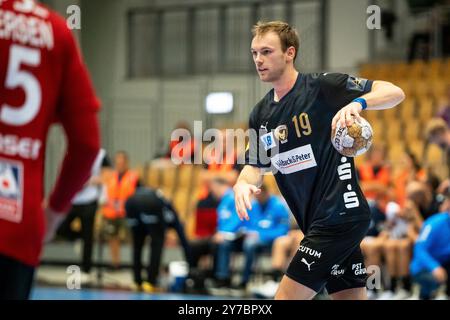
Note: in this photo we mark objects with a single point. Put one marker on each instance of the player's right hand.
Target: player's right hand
(242, 193)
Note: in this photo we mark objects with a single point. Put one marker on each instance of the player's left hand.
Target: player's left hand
(345, 115)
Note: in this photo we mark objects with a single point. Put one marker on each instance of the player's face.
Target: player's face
(269, 58)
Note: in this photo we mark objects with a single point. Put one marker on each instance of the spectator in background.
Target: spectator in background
(220, 161)
(270, 220)
(150, 214)
(410, 170)
(437, 190)
(402, 229)
(218, 174)
(374, 174)
(438, 133)
(119, 187)
(84, 207)
(419, 199)
(391, 233)
(228, 238)
(430, 266)
(203, 247)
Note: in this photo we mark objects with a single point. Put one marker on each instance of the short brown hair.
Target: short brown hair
(288, 35)
(434, 127)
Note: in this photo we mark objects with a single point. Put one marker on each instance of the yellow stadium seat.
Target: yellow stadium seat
(378, 130)
(446, 67)
(426, 109)
(417, 69)
(370, 115)
(416, 147)
(394, 131)
(168, 180)
(389, 114)
(184, 176)
(367, 71)
(407, 109)
(435, 159)
(438, 88)
(434, 153)
(406, 86)
(412, 130)
(152, 176)
(399, 70)
(395, 151)
(420, 89)
(384, 71)
(434, 69)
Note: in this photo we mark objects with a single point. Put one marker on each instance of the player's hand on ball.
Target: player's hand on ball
(242, 194)
(345, 115)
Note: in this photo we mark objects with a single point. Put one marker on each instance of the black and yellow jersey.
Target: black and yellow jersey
(292, 137)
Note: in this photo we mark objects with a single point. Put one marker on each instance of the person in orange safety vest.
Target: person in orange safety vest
(119, 187)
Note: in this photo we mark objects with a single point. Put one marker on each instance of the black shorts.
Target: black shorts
(16, 279)
(331, 257)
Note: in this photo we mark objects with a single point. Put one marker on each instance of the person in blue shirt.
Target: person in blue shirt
(270, 220)
(229, 232)
(430, 265)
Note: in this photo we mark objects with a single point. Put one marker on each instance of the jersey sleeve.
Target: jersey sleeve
(77, 94)
(340, 89)
(255, 153)
(77, 113)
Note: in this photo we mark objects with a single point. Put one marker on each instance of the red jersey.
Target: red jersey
(42, 80)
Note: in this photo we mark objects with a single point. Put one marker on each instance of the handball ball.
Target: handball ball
(354, 140)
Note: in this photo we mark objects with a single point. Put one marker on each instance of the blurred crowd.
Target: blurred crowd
(407, 245)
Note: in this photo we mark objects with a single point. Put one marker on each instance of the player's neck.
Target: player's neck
(286, 82)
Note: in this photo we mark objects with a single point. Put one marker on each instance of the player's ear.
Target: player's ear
(290, 53)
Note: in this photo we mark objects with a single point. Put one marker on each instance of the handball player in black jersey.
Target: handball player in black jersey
(291, 129)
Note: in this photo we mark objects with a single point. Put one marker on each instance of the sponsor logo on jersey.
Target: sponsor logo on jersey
(310, 251)
(281, 133)
(268, 141)
(11, 190)
(24, 147)
(356, 84)
(358, 269)
(335, 271)
(294, 160)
